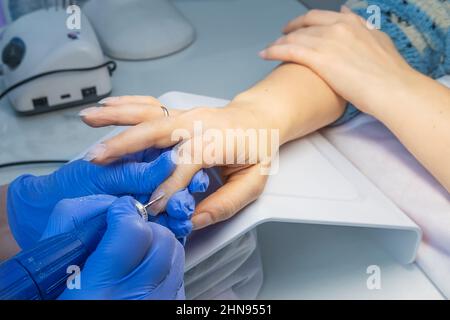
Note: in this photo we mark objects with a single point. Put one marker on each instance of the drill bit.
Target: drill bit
(153, 201)
(143, 209)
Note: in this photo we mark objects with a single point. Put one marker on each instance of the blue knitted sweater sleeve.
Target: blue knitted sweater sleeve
(420, 30)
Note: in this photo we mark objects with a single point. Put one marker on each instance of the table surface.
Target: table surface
(220, 63)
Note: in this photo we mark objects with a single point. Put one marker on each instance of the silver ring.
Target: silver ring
(166, 111)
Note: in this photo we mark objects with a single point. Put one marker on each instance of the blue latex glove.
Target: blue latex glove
(31, 199)
(181, 205)
(135, 259)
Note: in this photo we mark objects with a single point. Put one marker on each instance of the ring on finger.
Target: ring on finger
(166, 111)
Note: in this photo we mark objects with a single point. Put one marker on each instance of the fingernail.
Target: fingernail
(345, 9)
(87, 111)
(280, 39)
(96, 151)
(262, 53)
(159, 205)
(201, 220)
(107, 100)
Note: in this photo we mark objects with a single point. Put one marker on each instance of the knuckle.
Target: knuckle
(341, 29)
(257, 191)
(291, 37)
(225, 213)
(199, 112)
(176, 181)
(153, 100)
(226, 210)
(292, 52)
(352, 18)
(312, 14)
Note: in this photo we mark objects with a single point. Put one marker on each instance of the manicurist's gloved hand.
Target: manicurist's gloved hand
(31, 199)
(135, 259)
(180, 205)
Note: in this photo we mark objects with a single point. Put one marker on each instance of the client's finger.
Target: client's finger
(157, 133)
(291, 53)
(112, 101)
(179, 180)
(346, 10)
(312, 18)
(122, 115)
(311, 37)
(241, 189)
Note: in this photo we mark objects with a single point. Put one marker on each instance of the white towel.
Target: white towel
(377, 153)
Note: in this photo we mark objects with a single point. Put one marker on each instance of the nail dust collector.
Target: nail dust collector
(47, 66)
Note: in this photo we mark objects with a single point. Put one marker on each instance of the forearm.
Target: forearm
(8, 246)
(294, 100)
(418, 112)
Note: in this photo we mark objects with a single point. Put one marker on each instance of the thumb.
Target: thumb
(242, 188)
(124, 245)
(68, 214)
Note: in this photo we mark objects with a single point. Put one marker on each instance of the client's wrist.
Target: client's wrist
(263, 114)
(394, 90)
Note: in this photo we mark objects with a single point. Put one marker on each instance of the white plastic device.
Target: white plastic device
(139, 29)
(40, 42)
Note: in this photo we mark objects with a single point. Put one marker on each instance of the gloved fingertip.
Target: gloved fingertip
(199, 183)
(181, 205)
(181, 228)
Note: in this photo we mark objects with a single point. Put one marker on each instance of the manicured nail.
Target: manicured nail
(107, 100)
(95, 152)
(87, 111)
(279, 40)
(345, 9)
(263, 53)
(201, 220)
(159, 205)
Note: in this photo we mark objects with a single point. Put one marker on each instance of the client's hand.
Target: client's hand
(31, 199)
(245, 155)
(135, 259)
(358, 62)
